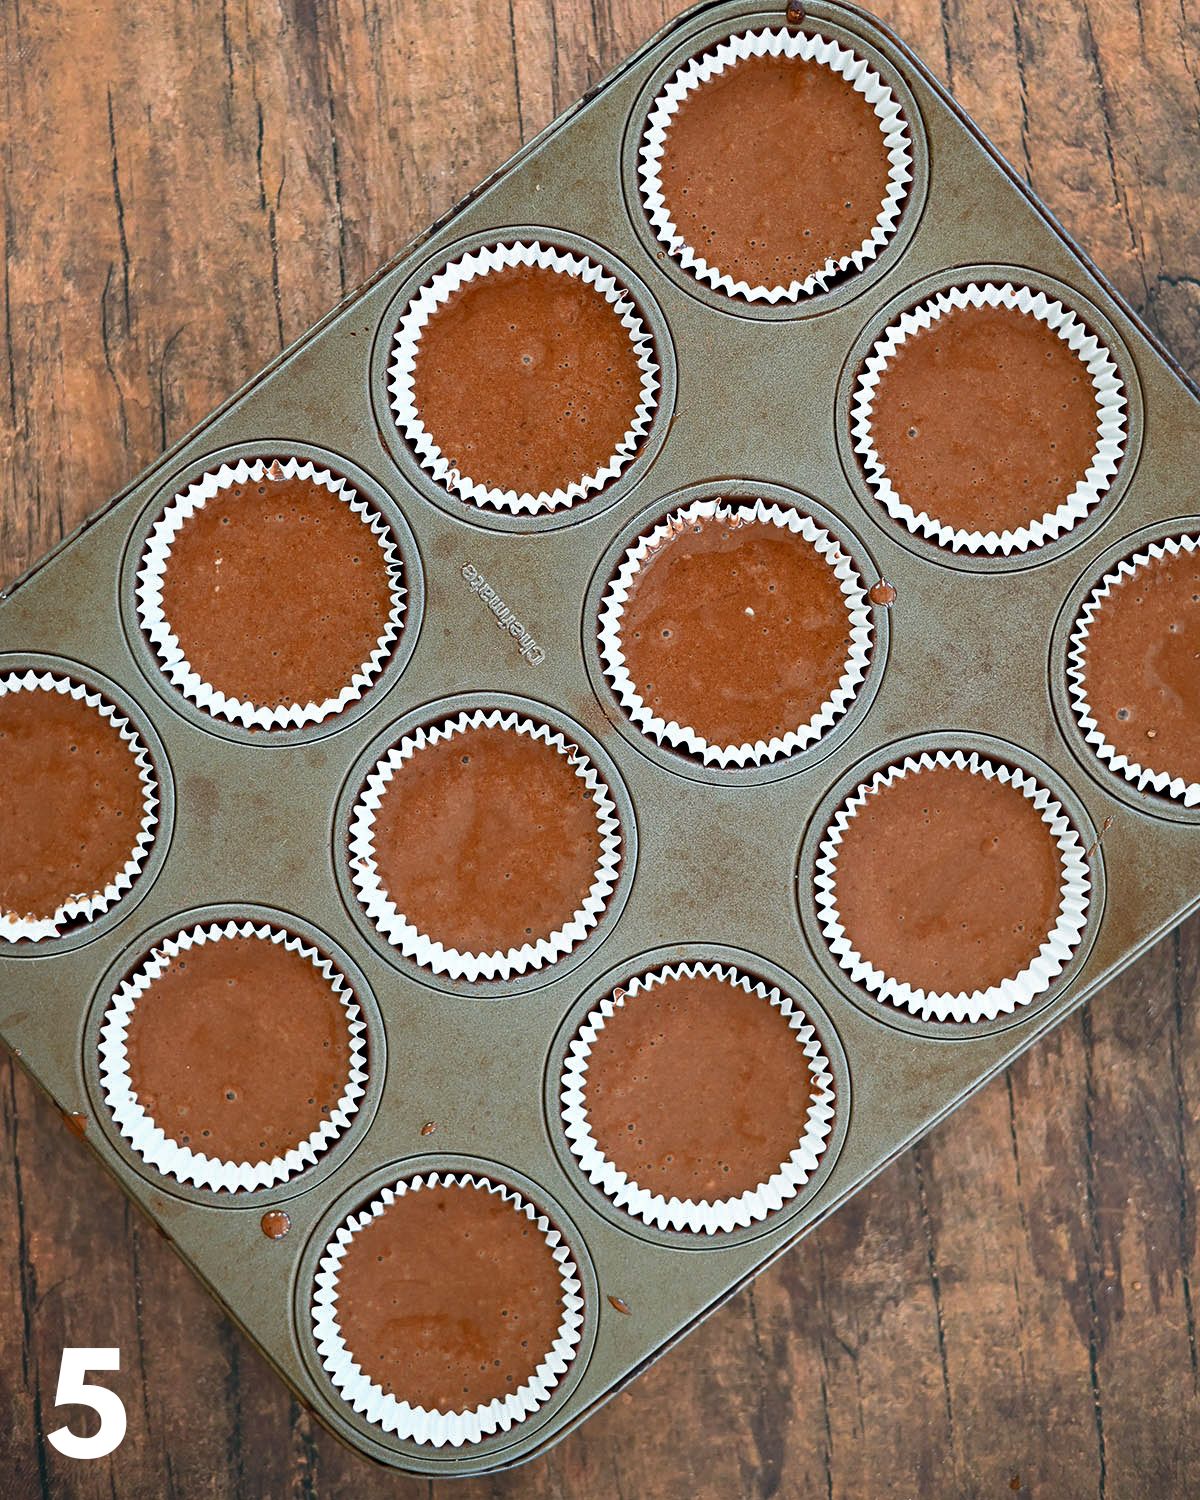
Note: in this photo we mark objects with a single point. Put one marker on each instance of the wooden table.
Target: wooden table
(1010, 1308)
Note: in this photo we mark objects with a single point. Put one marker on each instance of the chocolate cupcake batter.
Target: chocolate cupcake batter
(948, 881)
(487, 840)
(277, 592)
(774, 167)
(986, 421)
(527, 380)
(736, 629)
(697, 1090)
(240, 1050)
(1142, 665)
(449, 1299)
(71, 802)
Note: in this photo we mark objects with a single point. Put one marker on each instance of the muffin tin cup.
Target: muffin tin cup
(155, 561)
(1057, 949)
(711, 1216)
(833, 1061)
(1111, 421)
(490, 520)
(113, 1145)
(684, 738)
(436, 292)
(1141, 777)
(417, 1424)
(150, 1142)
(85, 907)
(424, 949)
(776, 42)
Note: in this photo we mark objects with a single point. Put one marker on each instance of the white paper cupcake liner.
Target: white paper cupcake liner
(423, 948)
(710, 1216)
(416, 1423)
(999, 999)
(87, 905)
(776, 42)
(150, 1141)
(435, 293)
(685, 737)
(155, 560)
(1111, 404)
(1141, 776)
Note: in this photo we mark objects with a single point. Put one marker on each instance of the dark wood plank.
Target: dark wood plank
(1011, 1308)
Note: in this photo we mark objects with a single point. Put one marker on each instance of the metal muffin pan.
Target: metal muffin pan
(715, 864)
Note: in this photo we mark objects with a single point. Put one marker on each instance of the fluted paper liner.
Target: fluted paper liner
(1011, 993)
(435, 293)
(1141, 776)
(416, 1423)
(1111, 405)
(156, 557)
(685, 737)
(710, 1216)
(87, 904)
(776, 42)
(150, 1141)
(424, 948)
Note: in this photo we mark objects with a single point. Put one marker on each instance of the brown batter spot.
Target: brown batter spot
(527, 380)
(275, 1224)
(738, 630)
(697, 1090)
(277, 592)
(240, 1050)
(774, 167)
(71, 802)
(948, 881)
(449, 1299)
(1143, 666)
(986, 421)
(487, 840)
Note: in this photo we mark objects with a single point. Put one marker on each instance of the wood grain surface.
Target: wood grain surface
(1011, 1308)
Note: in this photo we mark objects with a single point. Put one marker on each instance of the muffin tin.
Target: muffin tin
(718, 864)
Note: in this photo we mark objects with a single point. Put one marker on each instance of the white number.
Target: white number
(73, 1390)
